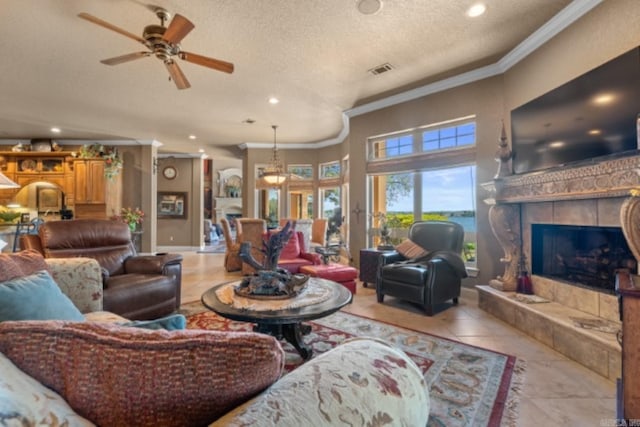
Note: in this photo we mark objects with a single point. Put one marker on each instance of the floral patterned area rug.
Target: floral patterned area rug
(469, 386)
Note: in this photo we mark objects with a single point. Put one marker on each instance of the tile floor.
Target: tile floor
(556, 390)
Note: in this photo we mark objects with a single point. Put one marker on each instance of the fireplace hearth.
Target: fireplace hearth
(591, 194)
(586, 256)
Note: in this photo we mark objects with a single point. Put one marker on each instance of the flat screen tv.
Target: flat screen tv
(591, 116)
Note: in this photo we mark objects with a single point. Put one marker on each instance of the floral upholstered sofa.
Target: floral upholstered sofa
(97, 372)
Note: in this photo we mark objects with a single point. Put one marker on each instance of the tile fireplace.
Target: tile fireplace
(590, 194)
(585, 216)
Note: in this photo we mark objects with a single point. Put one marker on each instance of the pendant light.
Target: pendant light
(274, 174)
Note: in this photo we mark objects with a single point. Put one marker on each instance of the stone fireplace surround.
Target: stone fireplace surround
(592, 193)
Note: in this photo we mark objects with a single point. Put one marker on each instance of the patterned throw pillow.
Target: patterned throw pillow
(115, 375)
(24, 401)
(21, 264)
(410, 250)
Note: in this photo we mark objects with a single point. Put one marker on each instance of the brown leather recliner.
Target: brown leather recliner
(136, 287)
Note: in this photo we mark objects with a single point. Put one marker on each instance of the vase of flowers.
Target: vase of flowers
(131, 217)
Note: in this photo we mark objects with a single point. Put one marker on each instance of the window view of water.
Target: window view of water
(467, 222)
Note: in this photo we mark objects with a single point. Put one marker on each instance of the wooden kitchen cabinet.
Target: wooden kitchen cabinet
(89, 181)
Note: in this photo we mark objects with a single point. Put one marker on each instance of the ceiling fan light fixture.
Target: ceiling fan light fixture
(164, 43)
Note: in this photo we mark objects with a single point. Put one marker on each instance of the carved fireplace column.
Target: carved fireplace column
(630, 221)
(505, 220)
(505, 224)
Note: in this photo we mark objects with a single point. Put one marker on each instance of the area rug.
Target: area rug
(469, 386)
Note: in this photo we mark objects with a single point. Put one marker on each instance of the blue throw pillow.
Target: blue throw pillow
(171, 322)
(35, 297)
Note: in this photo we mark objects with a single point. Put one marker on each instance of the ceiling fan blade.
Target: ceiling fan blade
(216, 64)
(177, 75)
(177, 29)
(111, 27)
(125, 58)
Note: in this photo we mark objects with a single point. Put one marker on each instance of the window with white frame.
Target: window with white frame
(330, 170)
(304, 172)
(452, 134)
(449, 137)
(331, 209)
(394, 146)
(430, 190)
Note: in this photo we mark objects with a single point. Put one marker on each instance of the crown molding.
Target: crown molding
(306, 146)
(563, 19)
(567, 16)
(431, 88)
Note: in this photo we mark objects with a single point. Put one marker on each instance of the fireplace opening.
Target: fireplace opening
(231, 217)
(584, 256)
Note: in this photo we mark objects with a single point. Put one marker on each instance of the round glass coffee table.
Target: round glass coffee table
(280, 318)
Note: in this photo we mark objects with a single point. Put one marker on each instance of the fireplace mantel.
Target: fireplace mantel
(611, 177)
(227, 205)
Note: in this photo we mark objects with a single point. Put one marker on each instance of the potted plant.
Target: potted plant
(131, 217)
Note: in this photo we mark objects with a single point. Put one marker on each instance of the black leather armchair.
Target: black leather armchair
(431, 279)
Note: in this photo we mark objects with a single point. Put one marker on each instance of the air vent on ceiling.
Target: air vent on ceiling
(381, 69)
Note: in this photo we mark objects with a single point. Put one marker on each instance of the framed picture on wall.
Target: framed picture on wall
(48, 199)
(172, 205)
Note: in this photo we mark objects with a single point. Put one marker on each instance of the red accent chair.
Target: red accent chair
(294, 255)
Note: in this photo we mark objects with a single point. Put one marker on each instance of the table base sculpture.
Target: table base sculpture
(270, 282)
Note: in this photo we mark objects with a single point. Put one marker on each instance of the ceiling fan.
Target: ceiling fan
(164, 43)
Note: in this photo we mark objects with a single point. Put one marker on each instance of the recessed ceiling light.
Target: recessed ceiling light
(369, 7)
(476, 10)
(273, 100)
(595, 132)
(556, 144)
(201, 150)
(604, 99)
(55, 130)
(192, 137)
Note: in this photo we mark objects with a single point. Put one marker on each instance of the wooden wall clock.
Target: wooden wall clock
(169, 172)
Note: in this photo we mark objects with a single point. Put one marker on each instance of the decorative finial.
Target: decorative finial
(503, 155)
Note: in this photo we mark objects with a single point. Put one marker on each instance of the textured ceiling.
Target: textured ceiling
(313, 55)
